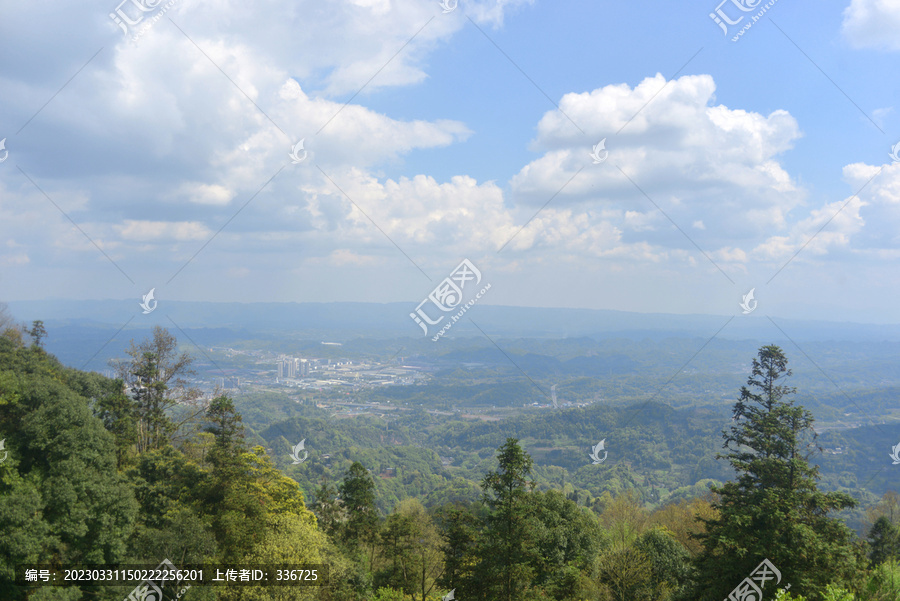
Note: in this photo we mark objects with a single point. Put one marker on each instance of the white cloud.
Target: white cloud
(492, 11)
(15, 259)
(700, 163)
(730, 255)
(866, 225)
(343, 257)
(344, 45)
(828, 228)
(415, 212)
(872, 24)
(141, 231)
(879, 183)
(205, 194)
(161, 150)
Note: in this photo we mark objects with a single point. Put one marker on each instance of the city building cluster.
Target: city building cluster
(292, 367)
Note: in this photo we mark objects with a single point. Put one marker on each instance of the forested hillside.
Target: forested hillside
(140, 468)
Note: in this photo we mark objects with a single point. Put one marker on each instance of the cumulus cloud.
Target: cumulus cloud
(414, 212)
(828, 228)
(711, 169)
(178, 134)
(193, 129)
(670, 146)
(872, 24)
(865, 224)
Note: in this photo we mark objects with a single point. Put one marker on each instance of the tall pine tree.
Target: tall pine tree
(506, 554)
(774, 510)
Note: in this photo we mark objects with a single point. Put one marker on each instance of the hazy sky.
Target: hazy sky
(431, 137)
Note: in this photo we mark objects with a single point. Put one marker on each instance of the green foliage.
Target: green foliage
(624, 574)
(774, 509)
(883, 583)
(61, 497)
(885, 541)
(38, 332)
(670, 564)
(460, 528)
(357, 492)
(831, 593)
(224, 423)
(103, 470)
(411, 556)
(154, 376)
(564, 542)
(329, 509)
(504, 569)
(289, 539)
(389, 594)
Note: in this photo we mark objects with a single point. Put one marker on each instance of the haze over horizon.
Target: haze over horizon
(172, 162)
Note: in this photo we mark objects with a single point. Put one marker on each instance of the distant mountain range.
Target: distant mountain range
(343, 321)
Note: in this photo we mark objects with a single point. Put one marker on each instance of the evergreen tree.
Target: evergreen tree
(358, 535)
(357, 492)
(505, 556)
(225, 424)
(118, 412)
(774, 510)
(329, 509)
(885, 541)
(459, 526)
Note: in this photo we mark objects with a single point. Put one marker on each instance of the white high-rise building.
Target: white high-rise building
(292, 367)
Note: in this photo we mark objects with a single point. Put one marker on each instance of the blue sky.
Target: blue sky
(170, 153)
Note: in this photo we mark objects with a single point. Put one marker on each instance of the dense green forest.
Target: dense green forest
(141, 467)
(660, 453)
